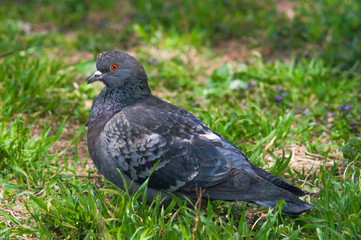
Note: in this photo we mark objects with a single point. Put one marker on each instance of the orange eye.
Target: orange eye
(114, 67)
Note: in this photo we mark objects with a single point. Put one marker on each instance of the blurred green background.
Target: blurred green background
(329, 28)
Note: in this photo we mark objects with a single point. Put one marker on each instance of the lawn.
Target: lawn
(280, 80)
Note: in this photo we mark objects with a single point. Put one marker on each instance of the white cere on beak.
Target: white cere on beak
(97, 73)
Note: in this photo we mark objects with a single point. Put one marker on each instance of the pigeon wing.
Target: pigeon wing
(138, 137)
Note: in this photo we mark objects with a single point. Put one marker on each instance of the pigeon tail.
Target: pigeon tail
(291, 208)
(246, 186)
(278, 182)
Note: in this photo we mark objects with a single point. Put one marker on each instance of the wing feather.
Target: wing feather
(188, 157)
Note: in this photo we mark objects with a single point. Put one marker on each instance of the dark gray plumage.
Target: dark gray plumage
(130, 130)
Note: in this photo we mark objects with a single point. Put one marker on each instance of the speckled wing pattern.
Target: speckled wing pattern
(139, 136)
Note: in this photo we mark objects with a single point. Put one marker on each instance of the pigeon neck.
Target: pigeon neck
(111, 101)
(130, 92)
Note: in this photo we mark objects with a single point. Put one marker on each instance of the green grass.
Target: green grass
(265, 106)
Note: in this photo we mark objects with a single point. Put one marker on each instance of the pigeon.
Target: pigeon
(135, 136)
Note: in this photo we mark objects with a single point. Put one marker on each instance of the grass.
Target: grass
(293, 107)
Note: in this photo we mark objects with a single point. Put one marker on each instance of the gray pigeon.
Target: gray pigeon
(130, 130)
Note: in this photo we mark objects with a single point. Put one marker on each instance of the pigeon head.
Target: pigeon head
(116, 69)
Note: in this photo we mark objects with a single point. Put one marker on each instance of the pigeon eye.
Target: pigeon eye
(114, 67)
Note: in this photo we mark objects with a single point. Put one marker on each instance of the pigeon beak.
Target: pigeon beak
(96, 76)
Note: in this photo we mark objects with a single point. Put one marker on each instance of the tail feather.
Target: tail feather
(246, 186)
(292, 208)
(278, 182)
